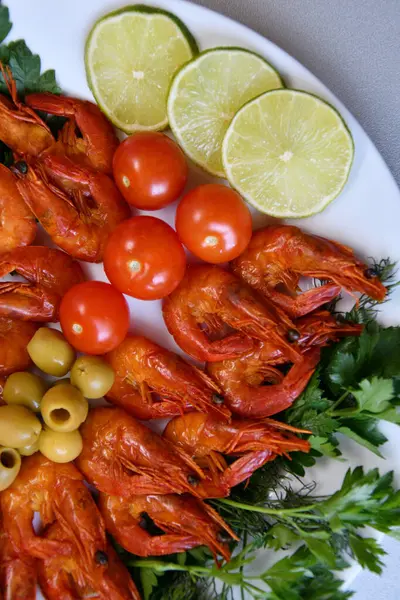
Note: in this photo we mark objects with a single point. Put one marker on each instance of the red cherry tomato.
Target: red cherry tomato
(94, 317)
(150, 170)
(144, 258)
(214, 223)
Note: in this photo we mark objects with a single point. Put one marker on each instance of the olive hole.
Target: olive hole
(7, 460)
(60, 415)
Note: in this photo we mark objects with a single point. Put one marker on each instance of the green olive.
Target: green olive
(93, 376)
(50, 351)
(18, 426)
(10, 464)
(60, 447)
(29, 450)
(64, 408)
(24, 388)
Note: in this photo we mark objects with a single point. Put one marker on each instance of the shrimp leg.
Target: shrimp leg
(98, 142)
(14, 338)
(17, 572)
(23, 537)
(303, 303)
(55, 583)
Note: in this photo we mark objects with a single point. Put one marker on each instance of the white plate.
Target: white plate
(366, 216)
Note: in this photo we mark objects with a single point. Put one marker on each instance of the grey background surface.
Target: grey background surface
(353, 46)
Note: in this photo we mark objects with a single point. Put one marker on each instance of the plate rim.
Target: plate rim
(182, 6)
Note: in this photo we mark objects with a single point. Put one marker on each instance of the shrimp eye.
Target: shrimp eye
(22, 167)
(370, 273)
(192, 480)
(218, 399)
(223, 537)
(143, 523)
(101, 557)
(293, 335)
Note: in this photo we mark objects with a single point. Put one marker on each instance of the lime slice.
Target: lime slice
(131, 56)
(205, 95)
(288, 153)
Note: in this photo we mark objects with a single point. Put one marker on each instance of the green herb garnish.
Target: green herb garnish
(25, 66)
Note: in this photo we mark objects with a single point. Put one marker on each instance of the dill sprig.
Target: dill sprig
(296, 577)
(357, 383)
(325, 527)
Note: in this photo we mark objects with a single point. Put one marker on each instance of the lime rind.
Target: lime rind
(151, 10)
(201, 135)
(257, 173)
(135, 100)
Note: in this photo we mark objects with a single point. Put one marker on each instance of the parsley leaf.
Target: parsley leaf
(300, 577)
(356, 385)
(367, 552)
(5, 23)
(375, 353)
(149, 581)
(374, 395)
(364, 431)
(310, 409)
(341, 371)
(25, 67)
(325, 446)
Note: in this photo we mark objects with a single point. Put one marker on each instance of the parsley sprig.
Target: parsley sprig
(329, 527)
(357, 383)
(295, 577)
(325, 531)
(24, 64)
(355, 386)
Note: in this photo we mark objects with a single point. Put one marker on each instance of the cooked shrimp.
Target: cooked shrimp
(17, 223)
(58, 493)
(243, 382)
(186, 521)
(78, 207)
(121, 456)
(209, 299)
(243, 379)
(50, 274)
(280, 254)
(66, 578)
(254, 442)
(152, 382)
